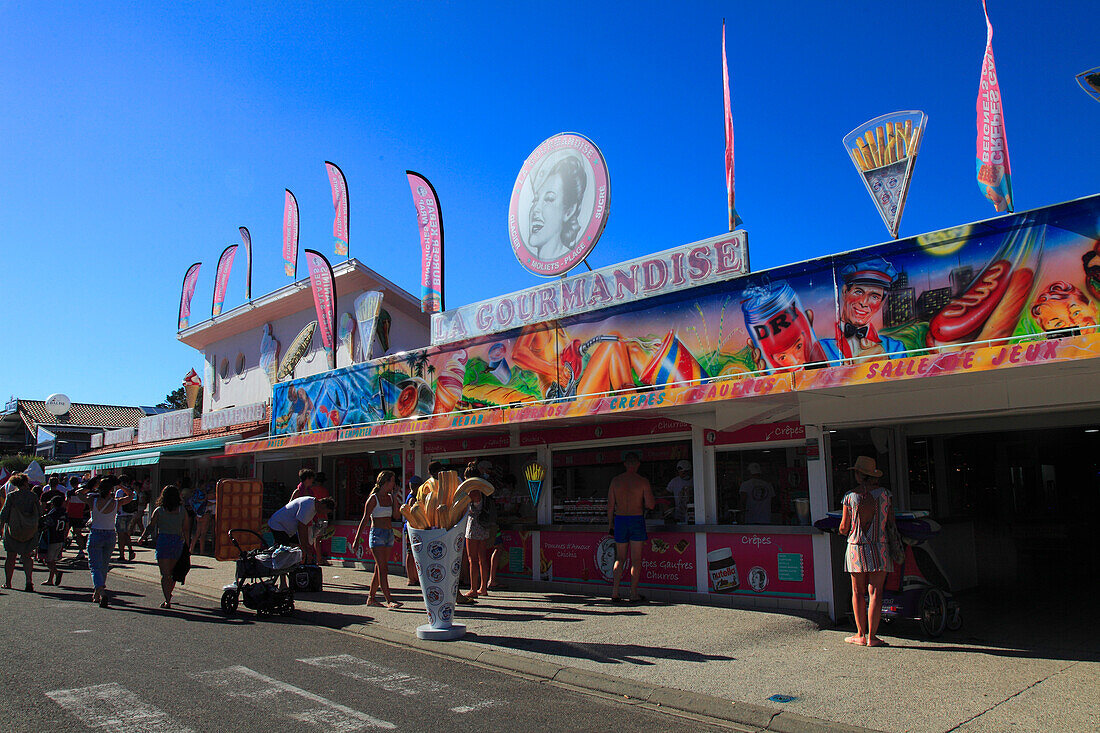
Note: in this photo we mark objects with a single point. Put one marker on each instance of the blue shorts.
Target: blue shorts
(169, 546)
(630, 528)
(381, 538)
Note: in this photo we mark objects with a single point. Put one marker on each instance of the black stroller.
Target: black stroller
(257, 578)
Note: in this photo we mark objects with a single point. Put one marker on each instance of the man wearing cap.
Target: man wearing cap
(865, 286)
(682, 491)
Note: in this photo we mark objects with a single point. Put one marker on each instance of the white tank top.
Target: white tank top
(381, 511)
(102, 519)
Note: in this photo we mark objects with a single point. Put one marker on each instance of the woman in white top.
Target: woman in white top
(99, 494)
(381, 508)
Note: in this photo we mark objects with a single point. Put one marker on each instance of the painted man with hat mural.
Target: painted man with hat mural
(864, 292)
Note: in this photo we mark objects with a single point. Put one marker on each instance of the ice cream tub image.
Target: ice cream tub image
(438, 555)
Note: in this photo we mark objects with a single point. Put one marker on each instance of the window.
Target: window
(762, 486)
(581, 480)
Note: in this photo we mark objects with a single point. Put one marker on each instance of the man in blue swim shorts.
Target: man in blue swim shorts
(628, 498)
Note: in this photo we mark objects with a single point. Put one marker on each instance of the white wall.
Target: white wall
(252, 384)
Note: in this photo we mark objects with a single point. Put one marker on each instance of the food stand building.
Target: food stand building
(962, 361)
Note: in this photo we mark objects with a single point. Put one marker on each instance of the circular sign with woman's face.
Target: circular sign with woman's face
(559, 205)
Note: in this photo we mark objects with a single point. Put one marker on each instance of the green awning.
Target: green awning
(139, 457)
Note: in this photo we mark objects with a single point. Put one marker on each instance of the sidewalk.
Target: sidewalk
(730, 661)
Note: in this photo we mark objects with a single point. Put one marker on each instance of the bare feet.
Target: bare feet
(393, 604)
(875, 641)
(373, 602)
(855, 639)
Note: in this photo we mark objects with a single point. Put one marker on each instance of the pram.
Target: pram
(918, 589)
(257, 578)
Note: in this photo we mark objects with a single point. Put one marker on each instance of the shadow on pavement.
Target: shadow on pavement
(607, 653)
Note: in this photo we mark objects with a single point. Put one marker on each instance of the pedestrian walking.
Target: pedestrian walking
(19, 518)
(126, 495)
(55, 528)
(172, 523)
(411, 575)
(101, 538)
(381, 508)
(480, 521)
(867, 509)
(77, 512)
(628, 499)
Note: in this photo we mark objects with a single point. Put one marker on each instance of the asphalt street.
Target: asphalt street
(69, 665)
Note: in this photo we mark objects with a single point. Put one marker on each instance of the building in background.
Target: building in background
(27, 426)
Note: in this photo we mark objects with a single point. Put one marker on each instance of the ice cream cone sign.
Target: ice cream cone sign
(192, 385)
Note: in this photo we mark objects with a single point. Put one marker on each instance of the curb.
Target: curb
(756, 717)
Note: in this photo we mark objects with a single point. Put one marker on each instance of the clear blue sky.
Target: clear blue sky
(137, 138)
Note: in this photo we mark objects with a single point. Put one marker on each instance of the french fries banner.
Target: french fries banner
(884, 150)
(994, 170)
(1020, 279)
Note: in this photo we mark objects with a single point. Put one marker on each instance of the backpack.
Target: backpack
(23, 527)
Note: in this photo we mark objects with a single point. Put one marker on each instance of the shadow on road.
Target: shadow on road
(607, 653)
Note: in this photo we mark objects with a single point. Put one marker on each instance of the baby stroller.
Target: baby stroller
(257, 578)
(918, 589)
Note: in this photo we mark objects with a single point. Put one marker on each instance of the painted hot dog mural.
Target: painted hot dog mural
(1022, 277)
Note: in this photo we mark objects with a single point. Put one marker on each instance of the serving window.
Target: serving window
(582, 477)
(762, 486)
(511, 496)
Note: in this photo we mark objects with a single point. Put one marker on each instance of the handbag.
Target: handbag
(183, 565)
(894, 546)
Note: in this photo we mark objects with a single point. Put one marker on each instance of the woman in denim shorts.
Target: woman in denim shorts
(381, 508)
(174, 524)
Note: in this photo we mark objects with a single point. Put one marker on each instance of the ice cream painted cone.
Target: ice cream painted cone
(448, 385)
(438, 555)
(192, 394)
(673, 363)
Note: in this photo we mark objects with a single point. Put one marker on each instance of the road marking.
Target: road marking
(113, 708)
(393, 680)
(388, 679)
(81, 631)
(285, 699)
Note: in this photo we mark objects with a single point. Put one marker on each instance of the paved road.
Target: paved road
(70, 665)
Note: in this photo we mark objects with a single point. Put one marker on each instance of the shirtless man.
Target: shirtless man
(627, 500)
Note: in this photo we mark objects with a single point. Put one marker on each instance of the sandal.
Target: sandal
(393, 604)
(617, 599)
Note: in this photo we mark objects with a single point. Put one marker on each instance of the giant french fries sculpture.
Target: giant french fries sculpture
(884, 150)
(437, 531)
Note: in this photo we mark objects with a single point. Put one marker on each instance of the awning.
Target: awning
(142, 457)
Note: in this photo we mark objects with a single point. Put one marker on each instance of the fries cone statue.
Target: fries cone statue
(436, 536)
(884, 151)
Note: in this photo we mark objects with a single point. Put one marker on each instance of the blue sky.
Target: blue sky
(138, 138)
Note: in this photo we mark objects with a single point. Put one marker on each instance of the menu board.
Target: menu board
(668, 559)
(761, 564)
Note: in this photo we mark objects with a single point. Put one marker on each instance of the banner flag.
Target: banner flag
(189, 279)
(290, 235)
(247, 239)
(340, 203)
(735, 220)
(323, 283)
(994, 171)
(884, 151)
(221, 277)
(429, 218)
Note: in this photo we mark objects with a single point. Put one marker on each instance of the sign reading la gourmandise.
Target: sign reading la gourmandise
(711, 260)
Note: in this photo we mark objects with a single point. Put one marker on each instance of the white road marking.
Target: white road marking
(393, 680)
(81, 631)
(285, 699)
(111, 707)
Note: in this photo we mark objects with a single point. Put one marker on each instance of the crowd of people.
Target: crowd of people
(40, 522)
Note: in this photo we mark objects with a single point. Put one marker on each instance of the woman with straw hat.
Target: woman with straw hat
(867, 509)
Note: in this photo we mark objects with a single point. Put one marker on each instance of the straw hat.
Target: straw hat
(477, 484)
(866, 465)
